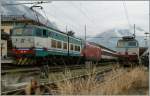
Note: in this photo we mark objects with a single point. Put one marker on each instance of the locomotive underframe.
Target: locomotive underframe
(128, 60)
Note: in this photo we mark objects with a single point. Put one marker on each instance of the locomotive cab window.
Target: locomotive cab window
(38, 32)
(17, 32)
(120, 44)
(133, 43)
(28, 31)
(44, 33)
(22, 32)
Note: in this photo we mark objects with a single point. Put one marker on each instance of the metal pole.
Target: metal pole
(66, 29)
(68, 39)
(134, 31)
(146, 39)
(145, 42)
(68, 43)
(85, 32)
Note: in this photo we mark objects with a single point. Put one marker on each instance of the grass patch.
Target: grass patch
(118, 82)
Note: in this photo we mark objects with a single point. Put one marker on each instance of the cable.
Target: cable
(85, 15)
(45, 16)
(67, 16)
(81, 11)
(61, 21)
(36, 3)
(126, 13)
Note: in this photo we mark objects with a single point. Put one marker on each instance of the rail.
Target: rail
(21, 89)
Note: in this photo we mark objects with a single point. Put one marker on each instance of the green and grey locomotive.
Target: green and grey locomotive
(34, 44)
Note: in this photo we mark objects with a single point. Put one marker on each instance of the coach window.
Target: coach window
(78, 48)
(64, 45)
(53, 42)
(71, 46)
(104, 53)
(59, 44)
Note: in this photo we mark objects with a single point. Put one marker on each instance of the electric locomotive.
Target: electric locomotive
(128, 50)
(34, 44)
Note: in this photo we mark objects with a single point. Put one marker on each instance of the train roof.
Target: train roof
(101, 46)
(127, 38)
(48, 28)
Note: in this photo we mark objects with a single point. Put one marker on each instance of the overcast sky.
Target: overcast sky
(97, 15)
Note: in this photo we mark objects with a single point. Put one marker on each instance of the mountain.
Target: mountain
(110, 37)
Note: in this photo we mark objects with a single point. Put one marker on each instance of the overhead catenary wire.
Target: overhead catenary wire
(70, 19)
(63, 25)
(45, 16)
(84, 14)
(126, 14)
(62, 15)
(34, 11)
(35, 3)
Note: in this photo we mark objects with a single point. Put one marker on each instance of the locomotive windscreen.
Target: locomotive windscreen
(120, 43)
(132, 43)
(22, 32)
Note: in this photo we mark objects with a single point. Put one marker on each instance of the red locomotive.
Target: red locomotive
(98, 53)
(91, 52)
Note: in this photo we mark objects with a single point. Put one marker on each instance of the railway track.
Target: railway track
(9, 70)
(14, 69)
(20, 89)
